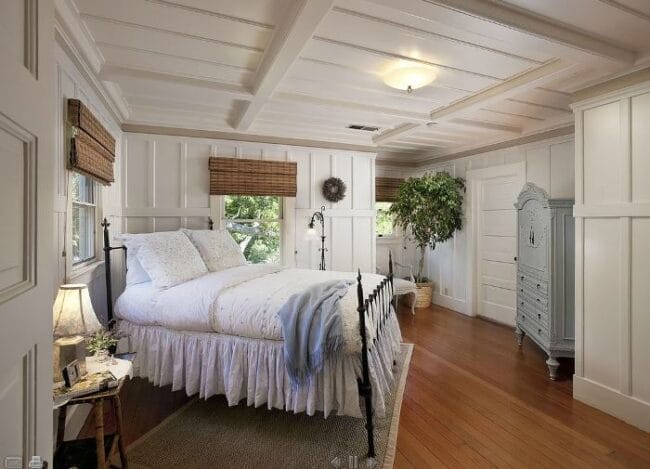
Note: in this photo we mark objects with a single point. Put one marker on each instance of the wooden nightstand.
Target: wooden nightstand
(95, 452)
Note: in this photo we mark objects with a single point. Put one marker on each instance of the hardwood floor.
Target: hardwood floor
(472, 399)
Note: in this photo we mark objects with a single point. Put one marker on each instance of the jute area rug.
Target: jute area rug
(209, 434)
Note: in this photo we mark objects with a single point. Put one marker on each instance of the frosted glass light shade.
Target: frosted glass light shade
(405, 78)
(73, 312)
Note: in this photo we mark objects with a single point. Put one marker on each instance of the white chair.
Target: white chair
(401, 286)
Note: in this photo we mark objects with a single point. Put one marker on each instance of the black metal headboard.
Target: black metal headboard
(107, 267)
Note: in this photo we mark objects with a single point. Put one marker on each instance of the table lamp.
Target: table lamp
(74, 319)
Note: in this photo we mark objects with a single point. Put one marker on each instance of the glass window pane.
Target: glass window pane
(82, 188)
(247, 207)
(259, 241)
(384, 221)
(83, 233)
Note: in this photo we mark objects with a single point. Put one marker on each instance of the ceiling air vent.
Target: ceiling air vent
(365, 128)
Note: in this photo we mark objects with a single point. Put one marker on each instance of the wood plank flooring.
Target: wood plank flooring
(472, 399)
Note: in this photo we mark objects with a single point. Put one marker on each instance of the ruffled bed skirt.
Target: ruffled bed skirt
(240, 368)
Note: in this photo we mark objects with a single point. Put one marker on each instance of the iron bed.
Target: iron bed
(374, 309)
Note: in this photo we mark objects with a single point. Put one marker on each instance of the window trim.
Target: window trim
(76, 269)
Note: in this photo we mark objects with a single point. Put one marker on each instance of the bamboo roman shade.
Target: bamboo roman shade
(236, 176)
(92, 147)
(386, 188)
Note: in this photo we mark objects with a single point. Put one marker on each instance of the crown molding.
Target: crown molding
(610, 86)
(76, 42)
(132, 127)
(526, 139)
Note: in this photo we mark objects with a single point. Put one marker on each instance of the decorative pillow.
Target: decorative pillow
(218, 249)
(134, 272)
(169, 258)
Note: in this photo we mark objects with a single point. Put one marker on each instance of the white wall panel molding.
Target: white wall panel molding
(166, 188)
(549, 163)
(612, 229)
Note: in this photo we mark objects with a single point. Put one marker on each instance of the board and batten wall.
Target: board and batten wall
(166, 187)
(71, 83)
(549, 164)
(612, 369)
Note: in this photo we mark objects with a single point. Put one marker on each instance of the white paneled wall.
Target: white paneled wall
(612, 211)
(72, 84)
(166, 186)
(549, 164)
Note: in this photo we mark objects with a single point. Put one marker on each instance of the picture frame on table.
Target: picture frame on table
(71, 373)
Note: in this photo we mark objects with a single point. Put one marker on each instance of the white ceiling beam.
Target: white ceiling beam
(116, 72)
(512, 86)
(351, 106)
(290, 38)
(523, 81)
(477, 124)
(521, 20)
(398, 132)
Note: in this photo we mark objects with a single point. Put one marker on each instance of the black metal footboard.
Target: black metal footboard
(375, 311)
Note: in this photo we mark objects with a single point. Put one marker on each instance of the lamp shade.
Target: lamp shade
(73, 312)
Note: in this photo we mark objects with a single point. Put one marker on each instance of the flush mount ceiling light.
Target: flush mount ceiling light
(409, 78)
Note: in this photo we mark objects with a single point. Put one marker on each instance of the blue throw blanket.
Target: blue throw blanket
(312, 328)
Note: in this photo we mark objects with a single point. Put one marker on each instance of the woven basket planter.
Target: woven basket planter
(422, 296)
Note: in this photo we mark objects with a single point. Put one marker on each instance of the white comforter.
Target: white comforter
(242, 301)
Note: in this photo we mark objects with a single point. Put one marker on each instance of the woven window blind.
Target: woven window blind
(92, 147)
(236, 176)
(386, 188)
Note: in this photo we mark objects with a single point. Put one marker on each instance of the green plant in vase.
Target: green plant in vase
(430, 208)
(100, 342)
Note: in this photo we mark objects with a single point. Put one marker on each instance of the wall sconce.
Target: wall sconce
(312, 232)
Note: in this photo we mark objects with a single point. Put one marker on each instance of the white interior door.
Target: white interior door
(495, 190)
(26, 244)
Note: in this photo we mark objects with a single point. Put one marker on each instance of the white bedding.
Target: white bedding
(241, 301)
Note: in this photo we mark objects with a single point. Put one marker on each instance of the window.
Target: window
(256, 223)
(84, 210)
(384, 220)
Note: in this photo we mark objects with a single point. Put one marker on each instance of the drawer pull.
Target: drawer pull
(521, 290)
(539, 331)
(539, 316)
(538, 299)
(522, 277)
(522, 303)
(538, 285)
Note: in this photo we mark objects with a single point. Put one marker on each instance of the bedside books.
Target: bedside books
(87, 384)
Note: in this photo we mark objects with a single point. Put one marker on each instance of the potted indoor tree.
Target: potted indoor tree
(430, 208)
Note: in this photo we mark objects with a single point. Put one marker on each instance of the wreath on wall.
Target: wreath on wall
(334, 189)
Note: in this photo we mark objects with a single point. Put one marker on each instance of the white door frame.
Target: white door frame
(474, 180)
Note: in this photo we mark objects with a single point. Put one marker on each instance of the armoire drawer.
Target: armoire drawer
(530, 326)
(536, 298)
(537, 315)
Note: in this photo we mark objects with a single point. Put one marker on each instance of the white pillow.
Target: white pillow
(169, 258)
(217, 248)
(134, 272)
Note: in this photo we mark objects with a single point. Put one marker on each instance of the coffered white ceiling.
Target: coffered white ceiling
(306, 69)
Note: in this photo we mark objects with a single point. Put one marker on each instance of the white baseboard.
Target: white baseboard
(630, 409)
(460, 306)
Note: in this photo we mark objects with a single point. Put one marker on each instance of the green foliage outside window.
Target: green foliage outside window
(384, 220)
(431, 209)
(255, 224)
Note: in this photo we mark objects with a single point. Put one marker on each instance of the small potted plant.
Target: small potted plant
(100, 342)
(430, 207)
